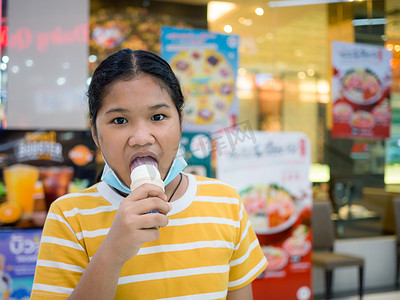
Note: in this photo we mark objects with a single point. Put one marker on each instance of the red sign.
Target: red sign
(23, 38)
(289, 262)
(361, 86)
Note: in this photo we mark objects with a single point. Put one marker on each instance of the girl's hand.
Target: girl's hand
(134, 225)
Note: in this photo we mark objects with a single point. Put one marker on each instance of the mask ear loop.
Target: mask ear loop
(109, 173)
(177, 167)
(106, 170)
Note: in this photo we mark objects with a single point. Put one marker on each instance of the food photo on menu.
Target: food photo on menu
(282, 218)
(211, 84)
(205, 64)
(361, 85)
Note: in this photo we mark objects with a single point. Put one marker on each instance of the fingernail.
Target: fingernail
(170, 206)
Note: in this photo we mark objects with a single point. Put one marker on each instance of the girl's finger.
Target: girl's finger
(145, 191)
(144, 206)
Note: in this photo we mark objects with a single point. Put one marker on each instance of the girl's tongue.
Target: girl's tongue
(142, 161)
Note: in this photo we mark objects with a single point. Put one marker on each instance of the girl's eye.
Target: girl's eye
(119, 121)
(157, 117)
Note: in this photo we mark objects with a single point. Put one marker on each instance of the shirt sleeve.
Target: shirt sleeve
(61, 259)
(248, 261)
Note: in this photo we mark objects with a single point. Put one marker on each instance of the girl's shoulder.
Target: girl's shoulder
(84, 199)
(215, 185)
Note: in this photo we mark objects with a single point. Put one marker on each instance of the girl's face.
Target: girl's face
(137, 119)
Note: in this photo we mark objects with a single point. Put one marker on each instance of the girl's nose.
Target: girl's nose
(141, 136)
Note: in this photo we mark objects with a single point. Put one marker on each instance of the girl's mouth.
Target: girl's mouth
(142, 160)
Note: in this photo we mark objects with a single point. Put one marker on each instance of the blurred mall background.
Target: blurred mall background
(283, 83)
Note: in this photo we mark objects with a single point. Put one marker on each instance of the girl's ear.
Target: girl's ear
(94, 135)
(182, 115)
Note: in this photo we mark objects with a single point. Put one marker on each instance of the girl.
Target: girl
(103, 243)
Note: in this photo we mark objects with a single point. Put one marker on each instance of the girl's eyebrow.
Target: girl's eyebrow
(158, 106)
(124, 110)
(118, 110)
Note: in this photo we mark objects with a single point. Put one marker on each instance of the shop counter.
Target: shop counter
(356, 218)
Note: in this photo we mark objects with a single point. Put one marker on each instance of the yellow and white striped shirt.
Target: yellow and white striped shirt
(207, 249)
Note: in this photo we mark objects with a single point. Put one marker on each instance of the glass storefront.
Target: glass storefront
(284, 83)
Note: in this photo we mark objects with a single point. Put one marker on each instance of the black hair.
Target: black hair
(127, 64)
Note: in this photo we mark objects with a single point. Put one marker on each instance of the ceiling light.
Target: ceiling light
(301, 75)
(217, 9)
(287, 3)
(245, 21)
(61, 80)
(319, 173)
(259, 11)
(366, 22)
(92, 58)
(389, 47)
(323, 87)
(249, 22)
(228, 28)
(15, 69)
(242, 71)
(29, 63)
(269, 35)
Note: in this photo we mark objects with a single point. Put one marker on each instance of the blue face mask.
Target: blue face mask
(112, 179)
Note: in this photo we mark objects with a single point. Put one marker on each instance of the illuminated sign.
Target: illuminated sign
(23, 37)
(39, 146)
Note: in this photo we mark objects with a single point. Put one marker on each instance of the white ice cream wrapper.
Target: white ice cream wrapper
(146, 173)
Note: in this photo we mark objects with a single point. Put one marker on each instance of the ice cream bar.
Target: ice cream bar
(146, 173)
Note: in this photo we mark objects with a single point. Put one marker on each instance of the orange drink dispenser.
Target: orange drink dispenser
(20, 180)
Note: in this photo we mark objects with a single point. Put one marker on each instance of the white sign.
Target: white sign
(270, 172)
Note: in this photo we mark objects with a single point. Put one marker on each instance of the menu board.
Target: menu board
(205, 64)
(361, 83)
(270, 172)
(45, 148)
